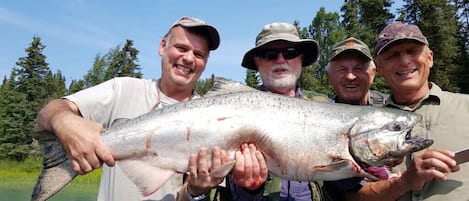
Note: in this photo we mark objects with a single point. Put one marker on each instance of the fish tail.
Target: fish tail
(57, 171)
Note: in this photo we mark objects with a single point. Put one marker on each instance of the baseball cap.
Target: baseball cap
(211, 32)
(350, 44)
(281, 31)
(398, 31)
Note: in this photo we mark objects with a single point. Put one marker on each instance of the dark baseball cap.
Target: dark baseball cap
(398, 31)
(350, 44)
(192, 22)
(282, 31)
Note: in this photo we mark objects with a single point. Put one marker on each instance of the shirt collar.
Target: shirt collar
(434, 96)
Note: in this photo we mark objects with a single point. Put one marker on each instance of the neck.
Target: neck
(285, 92)
(363, 101)
(175, 91)
(410, 97)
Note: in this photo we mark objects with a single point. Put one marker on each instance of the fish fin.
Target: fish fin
(224, 170)
(147, 178)
(226, 86)
(338, 169)
(118, 121)
(57, 170)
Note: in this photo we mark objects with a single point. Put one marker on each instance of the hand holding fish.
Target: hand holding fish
(84, 146)
(250, 170)
(200, 181)
(427, 165)
(80, 137)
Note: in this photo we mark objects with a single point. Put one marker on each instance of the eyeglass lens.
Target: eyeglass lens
(288, 53)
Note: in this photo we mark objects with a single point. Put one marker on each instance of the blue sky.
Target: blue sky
(75, 31)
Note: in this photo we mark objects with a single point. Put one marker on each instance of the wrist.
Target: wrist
(195, 195)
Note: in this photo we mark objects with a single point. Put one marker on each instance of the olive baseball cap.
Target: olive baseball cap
(350, 44)
(398, 31)
(281, 31)
(211, 32)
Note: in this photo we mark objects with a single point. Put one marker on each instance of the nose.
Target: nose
(280, 58)
(188, 57)
(350, 75)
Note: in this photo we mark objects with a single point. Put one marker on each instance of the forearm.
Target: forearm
(51, 114)
(384, 190)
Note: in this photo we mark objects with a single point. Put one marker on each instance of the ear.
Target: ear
(378, 67)
(430, 58)
(163, 47)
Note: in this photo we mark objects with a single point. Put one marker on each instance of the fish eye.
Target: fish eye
(396, 126)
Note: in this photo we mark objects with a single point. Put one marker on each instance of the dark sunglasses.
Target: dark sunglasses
(272, 54)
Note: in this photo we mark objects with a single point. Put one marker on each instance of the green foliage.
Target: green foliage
(122, 63)
(203, 86)
(29, 86)
(252, 78)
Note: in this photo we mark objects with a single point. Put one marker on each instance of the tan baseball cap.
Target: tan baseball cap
(192, 22)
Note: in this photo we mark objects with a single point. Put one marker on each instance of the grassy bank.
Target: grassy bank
(26, 172)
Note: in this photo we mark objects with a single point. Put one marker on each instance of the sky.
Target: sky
(76, 31)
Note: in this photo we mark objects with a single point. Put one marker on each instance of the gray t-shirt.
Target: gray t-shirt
(124, 98)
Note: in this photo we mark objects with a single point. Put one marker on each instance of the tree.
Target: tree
(463, 44)
(203, 86)
(123, 62)
(326, 30)
(97, 73)
(252, 78)
(14, 114)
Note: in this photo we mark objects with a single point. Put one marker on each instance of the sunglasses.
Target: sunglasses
(272, 54)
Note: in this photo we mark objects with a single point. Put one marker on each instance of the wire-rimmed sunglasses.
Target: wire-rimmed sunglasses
(272, 54)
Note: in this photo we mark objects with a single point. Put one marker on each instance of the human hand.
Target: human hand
(82, 142)
(250, 170)
(200, 180)
(428, 165)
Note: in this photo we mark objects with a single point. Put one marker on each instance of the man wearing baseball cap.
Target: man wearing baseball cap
(184, 52)
(279, 56)
(404, 58)
(351, 72)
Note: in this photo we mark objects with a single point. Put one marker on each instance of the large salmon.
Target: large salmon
(300, 139)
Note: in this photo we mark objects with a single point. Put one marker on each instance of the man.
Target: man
(279, 56)
(404, 58)
(351, 72)
(77, 119)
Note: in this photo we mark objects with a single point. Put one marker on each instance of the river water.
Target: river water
(73, 192)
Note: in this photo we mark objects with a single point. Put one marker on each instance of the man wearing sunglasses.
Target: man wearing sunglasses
(278, 56)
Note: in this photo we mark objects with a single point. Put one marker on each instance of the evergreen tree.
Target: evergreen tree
(14, 115)
(30, 73)
(123, 63)
(463, 44)
(97, 74)
(326, 30)
(252, 78)
(203, 86)
(75, 86)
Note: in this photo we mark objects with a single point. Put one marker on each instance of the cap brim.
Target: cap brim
(310, 50)
(390, 43)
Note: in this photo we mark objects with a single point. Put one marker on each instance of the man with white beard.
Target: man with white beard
(278, 56)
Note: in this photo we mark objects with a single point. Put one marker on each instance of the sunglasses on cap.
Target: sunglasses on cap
(272, 54)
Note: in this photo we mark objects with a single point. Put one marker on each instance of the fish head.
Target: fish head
(381, 137)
